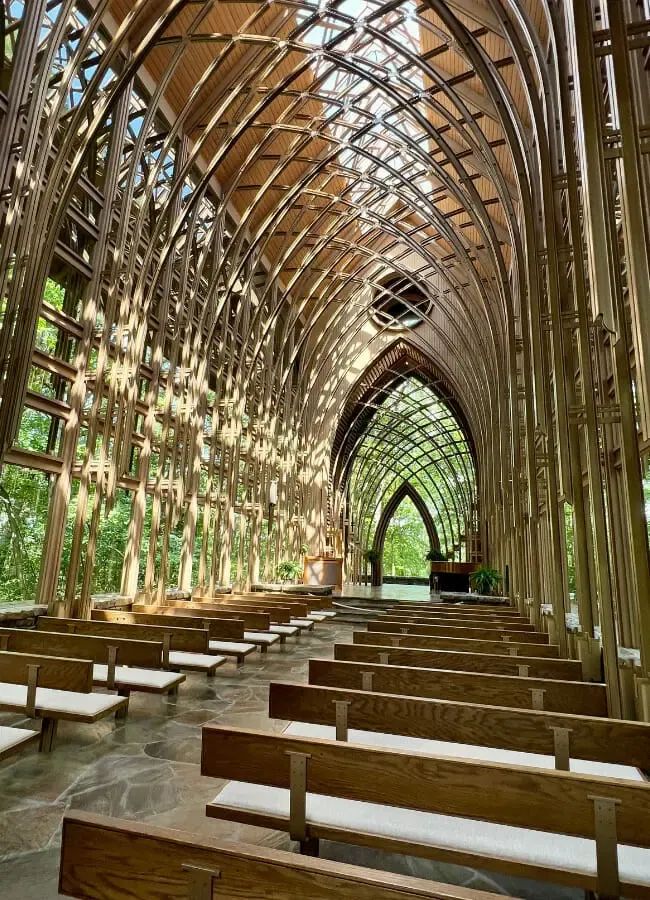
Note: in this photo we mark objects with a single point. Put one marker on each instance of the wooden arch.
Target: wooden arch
(405, 490)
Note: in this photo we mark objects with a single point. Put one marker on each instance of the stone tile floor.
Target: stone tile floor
(147, 769)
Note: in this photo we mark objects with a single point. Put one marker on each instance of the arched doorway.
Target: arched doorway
(405, 491)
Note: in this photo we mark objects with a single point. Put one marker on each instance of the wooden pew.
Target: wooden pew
(217, 610)
(51, 688)
(110, 859)
(448, 621)
(281, 613)
(471, 610)
(226, 629)
(250, 621)
(563, 736)
(239, 649)
(261, 639)
(119, 664)
(427, 795)
(315, 601)
(470, 645)
(486, 634)
(469, 614)
(444, 684)
(536, 667)
(283, 629)
(288, 620)
(183, 648)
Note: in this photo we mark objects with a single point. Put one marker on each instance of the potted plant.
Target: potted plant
(288, 570)
(373, 557)
(485, 580)
(435, 555)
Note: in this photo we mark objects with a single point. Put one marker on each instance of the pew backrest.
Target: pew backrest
(449, 622)
(528, 731)
(99, 856)
(226, 629)
(251, 618)
(488, 633)
(219, 629)
(470, 645)
(120, 651)
(53, 671)
(444, 684)
(538, 667)
(189, 640)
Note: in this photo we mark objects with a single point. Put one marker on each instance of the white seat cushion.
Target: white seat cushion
(463, 751)
(289, 630)
(231, 647)
(302, 623)
(154, 679)
(314, 617)
(523, 845)
(326, 613)
(196, 660)
(50, 700)
(14, 737)
(261, 637)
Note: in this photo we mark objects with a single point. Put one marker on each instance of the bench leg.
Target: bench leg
(309, 847)
(48, 733)
(122, 712)
(173, 692)
(240, 661)
(264, 648)
(211, 673)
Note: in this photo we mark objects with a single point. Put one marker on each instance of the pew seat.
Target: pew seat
(239, 649)
(264, 639)
(302, 624)
(147, 681)
(14, 739)
(195, 662)
(463, 751)
(286, 630)
(528, 851)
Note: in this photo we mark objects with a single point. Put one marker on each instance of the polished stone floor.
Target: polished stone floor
(387, 592)
(147, 768)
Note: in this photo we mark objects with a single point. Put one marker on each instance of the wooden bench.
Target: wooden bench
(471, 610)
(182, 648)
(283, 630)
(261, 639)
(265, 626)
(238, 649)
(448, 616)
(471, 645)
(110, 859)
(289, 613)
(587, 744)
(471, 813)
(316, 602)
(448, 622)
(13, 740)
(444, 684)
(537, 667)
(246, 619)
(486, 634)
(51, 688)
(119, 664)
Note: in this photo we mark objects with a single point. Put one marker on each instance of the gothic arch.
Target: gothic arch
(405, 490)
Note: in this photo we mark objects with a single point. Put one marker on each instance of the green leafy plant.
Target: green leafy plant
(288, 570)
(485, 580)
(435, 555)
(371, 555)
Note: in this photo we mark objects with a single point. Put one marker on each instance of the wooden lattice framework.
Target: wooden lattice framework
(221, 188)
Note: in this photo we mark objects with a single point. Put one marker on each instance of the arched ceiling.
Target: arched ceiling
(355, 140)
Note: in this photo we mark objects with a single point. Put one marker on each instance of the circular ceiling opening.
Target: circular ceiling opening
(398, 303)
